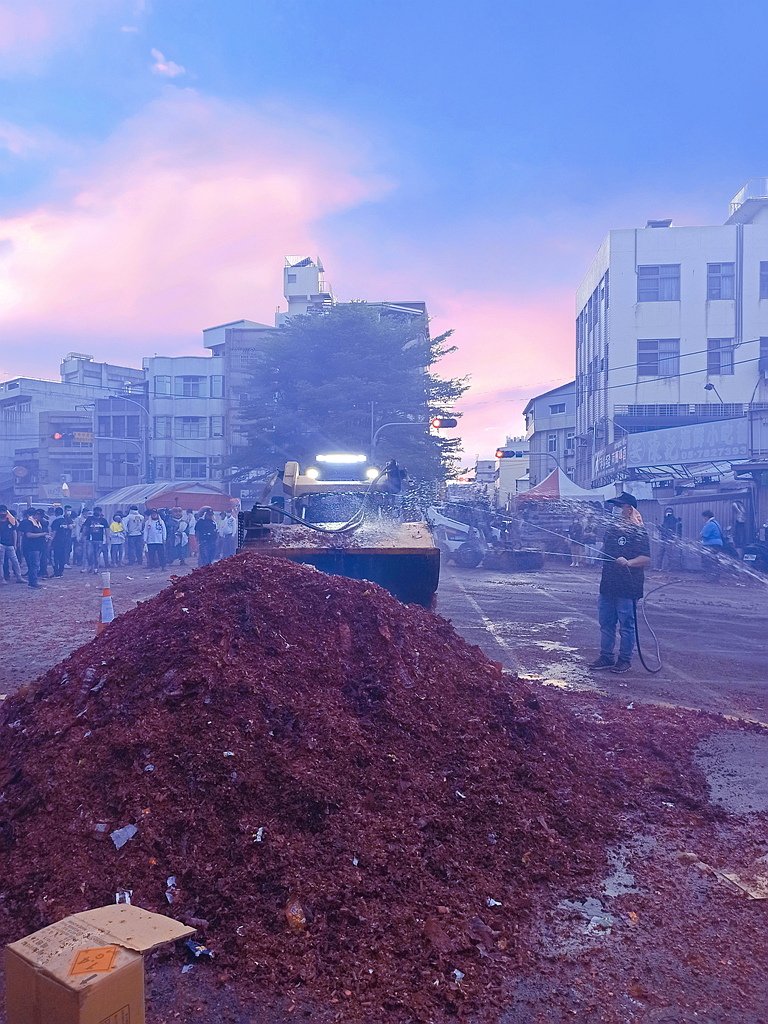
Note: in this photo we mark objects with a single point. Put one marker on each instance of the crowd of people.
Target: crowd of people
(38, 543)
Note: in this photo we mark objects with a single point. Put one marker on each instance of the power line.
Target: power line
(643, 380)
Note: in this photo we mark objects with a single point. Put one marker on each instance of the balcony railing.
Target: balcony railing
(713, 410)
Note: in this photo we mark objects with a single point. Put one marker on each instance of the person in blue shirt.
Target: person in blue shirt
(712, 540)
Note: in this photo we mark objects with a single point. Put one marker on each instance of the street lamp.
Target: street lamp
(438, 422)
(709, 386)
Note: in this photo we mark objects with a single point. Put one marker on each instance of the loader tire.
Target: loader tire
(468, 556)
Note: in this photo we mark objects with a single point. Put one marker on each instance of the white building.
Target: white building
(550, 428)
(47, 435)
(671, 329)
(304, 287)
(188, 417)
(512, 467)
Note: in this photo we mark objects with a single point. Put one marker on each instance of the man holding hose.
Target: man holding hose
(626, 553)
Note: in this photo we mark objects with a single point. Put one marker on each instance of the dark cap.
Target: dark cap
(623, 499)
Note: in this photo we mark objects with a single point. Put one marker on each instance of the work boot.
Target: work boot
(620, 667)
(602, 662)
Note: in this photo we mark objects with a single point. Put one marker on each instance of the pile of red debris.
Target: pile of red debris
(350, 801)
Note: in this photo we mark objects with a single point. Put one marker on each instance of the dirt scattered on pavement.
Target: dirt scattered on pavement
(366, 819)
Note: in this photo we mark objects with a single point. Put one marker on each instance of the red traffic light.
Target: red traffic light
(57, 436)
(439, 422)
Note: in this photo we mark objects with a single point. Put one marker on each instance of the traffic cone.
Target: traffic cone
(107, 608)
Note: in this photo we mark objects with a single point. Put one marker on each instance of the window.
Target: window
(217, 426)
(118, 426)
(551, 442)
(658, 357)
(189, 387)
(659, 283)
(191, 426)
(291, 278)
(764, 280)
(163, 468)
(555, 410)
(190, 469)
(570, 441)
(162, 385)
(163, 426)
(217, 386)
(720, 280)
(81, 475)
(719, 355)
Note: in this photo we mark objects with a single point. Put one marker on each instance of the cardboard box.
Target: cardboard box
(87, 969)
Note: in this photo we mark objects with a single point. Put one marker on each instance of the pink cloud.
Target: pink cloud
(32, 30)
(179, 221)
(166, 68)
(513, 349)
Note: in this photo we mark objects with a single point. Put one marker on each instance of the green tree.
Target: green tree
(317, 379)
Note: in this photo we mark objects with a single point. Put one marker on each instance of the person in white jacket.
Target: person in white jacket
(227, 530)
(154, 537)
(134, 534)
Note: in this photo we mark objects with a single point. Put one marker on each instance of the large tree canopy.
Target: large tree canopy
(327, 381)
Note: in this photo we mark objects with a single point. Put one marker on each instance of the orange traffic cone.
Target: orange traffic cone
(107, 608)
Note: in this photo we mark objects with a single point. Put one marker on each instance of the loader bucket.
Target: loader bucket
(403, 558)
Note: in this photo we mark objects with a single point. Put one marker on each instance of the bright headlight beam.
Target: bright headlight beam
(342, 458)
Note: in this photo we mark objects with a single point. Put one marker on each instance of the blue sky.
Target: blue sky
(159, 158)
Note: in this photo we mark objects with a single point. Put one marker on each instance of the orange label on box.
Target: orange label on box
(94, 961)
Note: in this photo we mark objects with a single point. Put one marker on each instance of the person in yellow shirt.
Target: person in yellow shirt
(116, 539)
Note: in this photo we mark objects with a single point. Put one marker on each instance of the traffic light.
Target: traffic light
(57, 436)
(65, 436)
(505, 453)
(440, 422)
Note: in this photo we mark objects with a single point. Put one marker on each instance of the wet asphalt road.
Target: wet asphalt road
(713, 637)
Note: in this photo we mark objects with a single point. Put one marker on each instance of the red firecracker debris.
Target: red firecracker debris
(353, 803)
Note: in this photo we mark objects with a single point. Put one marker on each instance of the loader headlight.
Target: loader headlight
(341, 458)
(371, 473)
(313, 473)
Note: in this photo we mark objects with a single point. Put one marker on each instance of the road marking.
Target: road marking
(489, 624)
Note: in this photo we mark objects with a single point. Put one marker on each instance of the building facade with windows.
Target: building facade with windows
(671, 329)
(512, 468)
(48, 432)
(188, 418)
(550, 427)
